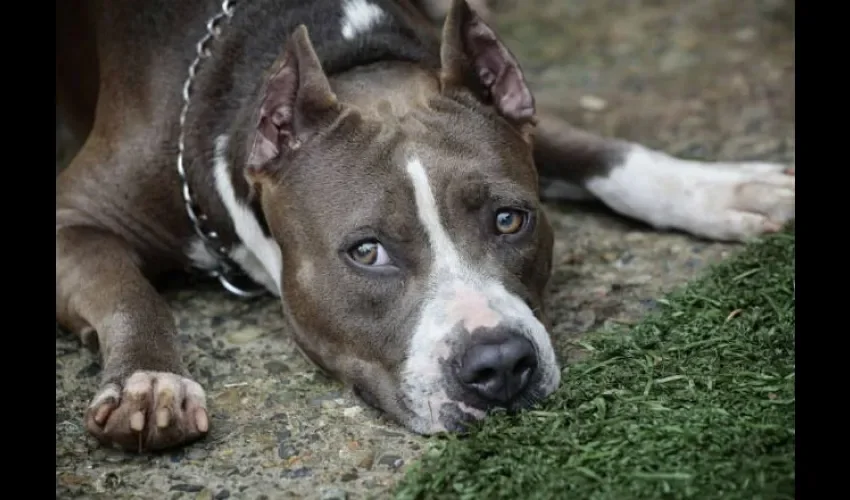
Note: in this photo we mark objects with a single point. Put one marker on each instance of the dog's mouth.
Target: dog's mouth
(453, 416)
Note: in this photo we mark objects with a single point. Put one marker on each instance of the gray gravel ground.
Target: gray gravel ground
(703, 79)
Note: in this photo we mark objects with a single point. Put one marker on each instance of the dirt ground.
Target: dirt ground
(703, 79)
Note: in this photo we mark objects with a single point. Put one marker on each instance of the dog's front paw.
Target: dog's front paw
(150, 411)
(739, 201)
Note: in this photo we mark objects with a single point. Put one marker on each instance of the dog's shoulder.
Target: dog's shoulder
(344, 33)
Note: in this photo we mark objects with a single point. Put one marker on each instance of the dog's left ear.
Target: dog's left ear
(472, 56)
(296, 101)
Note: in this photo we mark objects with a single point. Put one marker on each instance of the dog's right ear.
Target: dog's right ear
(296, 100)
(474, 57)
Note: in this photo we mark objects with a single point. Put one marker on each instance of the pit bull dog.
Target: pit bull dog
(381, 176)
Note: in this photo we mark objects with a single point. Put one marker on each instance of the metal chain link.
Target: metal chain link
(227, 271)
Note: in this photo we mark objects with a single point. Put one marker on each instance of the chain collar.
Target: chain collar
(228, 273)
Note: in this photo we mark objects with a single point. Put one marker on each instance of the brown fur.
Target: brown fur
(120, 220)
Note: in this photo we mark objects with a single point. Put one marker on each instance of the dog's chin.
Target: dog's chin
(444, 415)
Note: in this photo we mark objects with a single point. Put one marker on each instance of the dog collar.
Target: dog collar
(228, 273)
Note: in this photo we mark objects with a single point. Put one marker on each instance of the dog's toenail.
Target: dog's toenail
(163, 416)
(137, 421)
(201, 420)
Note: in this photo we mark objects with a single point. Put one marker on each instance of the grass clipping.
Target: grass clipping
(697, 401)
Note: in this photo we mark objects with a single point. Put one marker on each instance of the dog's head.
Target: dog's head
(415, 251)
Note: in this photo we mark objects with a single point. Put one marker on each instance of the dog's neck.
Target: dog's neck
(382, 38)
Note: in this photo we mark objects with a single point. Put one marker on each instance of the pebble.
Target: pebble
(277, 367)
(674, 60)
(641, 279)
(204, 494)
(592, 103)
(635, 237)
(66, 479)
(297, 473)
(197, 454)
(189, 488)
(371, 484)
(325, 398)
(624, 259)
(244, 335)
(736, 56)
(110, 481)
(352, 412)
(117, 457)
(367, 461)
(747, 34)
(391, 461)
(334, 494)
(286, 451)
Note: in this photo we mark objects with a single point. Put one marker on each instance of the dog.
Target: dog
(379, 165)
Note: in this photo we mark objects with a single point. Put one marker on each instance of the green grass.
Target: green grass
(696, 401)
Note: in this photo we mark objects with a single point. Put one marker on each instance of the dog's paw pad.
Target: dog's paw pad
(149, 411)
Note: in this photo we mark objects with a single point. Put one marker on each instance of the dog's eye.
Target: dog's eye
(510, 221)
(369, 253)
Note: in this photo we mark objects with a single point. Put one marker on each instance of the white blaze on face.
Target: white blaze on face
(459, 292)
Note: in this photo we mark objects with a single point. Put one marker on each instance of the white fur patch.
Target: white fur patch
(200, 256)
(258, 255)
(458, 292)
(723, 201)
(358, 17)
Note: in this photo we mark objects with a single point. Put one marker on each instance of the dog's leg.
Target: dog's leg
(146, 400)
(721, 201)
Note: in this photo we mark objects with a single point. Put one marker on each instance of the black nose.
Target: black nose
(498, 369)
